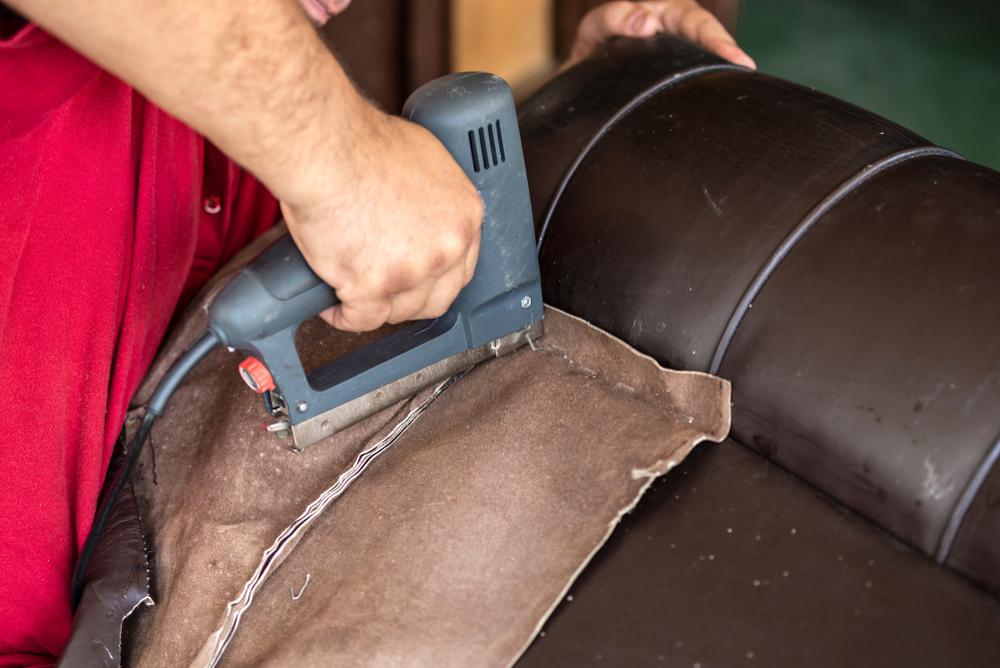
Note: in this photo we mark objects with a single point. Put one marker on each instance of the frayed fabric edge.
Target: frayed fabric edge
(660, 468)
(217, 643)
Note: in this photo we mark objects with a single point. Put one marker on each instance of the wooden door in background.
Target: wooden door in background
(512, 38)
(390, 47)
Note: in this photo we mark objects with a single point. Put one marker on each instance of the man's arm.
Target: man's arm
(378, 207)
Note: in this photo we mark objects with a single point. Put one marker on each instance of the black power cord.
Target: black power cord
(157, 404)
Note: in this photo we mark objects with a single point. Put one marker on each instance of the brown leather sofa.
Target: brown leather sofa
(844, 273)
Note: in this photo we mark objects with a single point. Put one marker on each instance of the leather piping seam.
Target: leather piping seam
(805, 225)
(965, 502)
(629, 106)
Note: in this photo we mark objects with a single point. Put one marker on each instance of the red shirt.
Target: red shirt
(110, 212)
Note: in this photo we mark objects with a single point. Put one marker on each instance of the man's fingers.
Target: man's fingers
(733, 53)
(358, 317)
(443, 294)
(686, 18)
(704, 29)
(690, 20)
(610, 19)
(432, 298)
(408, 305)
(427, 299)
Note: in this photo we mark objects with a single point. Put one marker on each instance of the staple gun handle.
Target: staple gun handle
(278, 290)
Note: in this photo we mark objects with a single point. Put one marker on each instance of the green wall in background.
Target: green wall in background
(930, 65)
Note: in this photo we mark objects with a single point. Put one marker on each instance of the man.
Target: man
(113, 210)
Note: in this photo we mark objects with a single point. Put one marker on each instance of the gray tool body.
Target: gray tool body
(261, 308)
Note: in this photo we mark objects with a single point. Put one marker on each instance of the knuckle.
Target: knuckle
(454, 244)
(445, 295)
(383, 284)
(476, 207)
(374, 287)
(436, 262)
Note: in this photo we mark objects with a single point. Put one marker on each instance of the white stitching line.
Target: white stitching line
(236, 608)
(965, 502)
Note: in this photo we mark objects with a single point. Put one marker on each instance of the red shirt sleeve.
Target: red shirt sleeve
(112, 213)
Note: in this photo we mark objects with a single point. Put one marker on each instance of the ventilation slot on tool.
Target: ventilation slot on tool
(486, 147)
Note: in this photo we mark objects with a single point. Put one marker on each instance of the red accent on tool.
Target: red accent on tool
(256, 375)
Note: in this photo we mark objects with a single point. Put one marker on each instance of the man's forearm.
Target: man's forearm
(379, 208)
(252, 76)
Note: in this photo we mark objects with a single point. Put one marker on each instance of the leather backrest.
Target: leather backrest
(840, 270)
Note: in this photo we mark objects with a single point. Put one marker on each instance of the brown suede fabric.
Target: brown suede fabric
(453, 546)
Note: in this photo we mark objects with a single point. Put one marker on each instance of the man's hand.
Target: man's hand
(395, 231)
(395, 228)
(685, 18)
(378, 207)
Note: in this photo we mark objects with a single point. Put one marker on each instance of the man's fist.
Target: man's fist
(398, 236)
(685, 18)
(393, 226)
